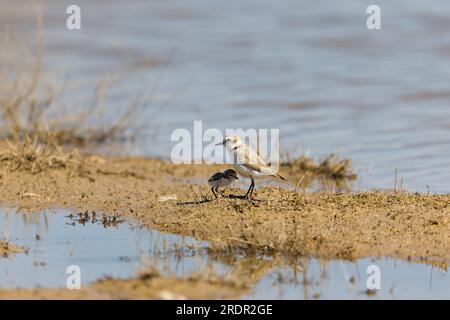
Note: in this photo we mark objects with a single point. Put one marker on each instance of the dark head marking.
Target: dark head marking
(230, 173)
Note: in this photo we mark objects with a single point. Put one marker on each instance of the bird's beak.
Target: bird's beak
(220, 143)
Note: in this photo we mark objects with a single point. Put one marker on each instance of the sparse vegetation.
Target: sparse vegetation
(331, 167)
(32, 105)
(32, 155)
(320, 224)
(38, 129)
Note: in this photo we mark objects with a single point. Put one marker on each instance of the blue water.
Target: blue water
(124, 250)
(310, 68)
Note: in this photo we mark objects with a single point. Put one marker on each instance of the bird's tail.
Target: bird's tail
(278, 176)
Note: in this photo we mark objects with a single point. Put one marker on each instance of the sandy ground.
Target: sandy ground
(148, 286)
(175, 198)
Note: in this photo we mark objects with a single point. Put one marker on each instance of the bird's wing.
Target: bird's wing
(215, 177)
(254, 161)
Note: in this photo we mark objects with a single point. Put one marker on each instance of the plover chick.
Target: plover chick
(222, 180)
(248, 163)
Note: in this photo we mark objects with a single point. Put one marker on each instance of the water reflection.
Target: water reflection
(122, 249)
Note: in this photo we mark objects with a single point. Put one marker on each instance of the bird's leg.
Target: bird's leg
(253, 189)
(250, 190)
(214, 192)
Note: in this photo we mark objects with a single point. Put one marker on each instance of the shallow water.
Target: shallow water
(121, 250)
(312, 70)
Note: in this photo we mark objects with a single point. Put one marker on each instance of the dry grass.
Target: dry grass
(30, 154)
(32, 105)
(36, 122)
(331, 167)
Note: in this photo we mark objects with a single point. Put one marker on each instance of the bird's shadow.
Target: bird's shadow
(187, 203)
(207, 200)
(235, 196)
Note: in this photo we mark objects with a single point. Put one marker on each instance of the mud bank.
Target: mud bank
(175, 198)
(147, 286)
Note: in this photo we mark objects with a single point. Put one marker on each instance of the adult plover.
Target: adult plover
(222, 180)
(247, 162)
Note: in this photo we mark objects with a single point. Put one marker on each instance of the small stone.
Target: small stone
(167, 198)
(167, 295)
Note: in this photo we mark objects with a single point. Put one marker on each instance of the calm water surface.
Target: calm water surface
(125, 249)
(310, 68)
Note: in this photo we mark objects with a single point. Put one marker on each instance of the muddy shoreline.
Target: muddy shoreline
(146, 286)
(172, 198)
